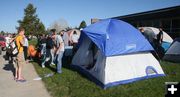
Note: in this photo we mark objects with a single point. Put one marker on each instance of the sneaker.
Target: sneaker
(52, 64)
(47, 59)
(43, 66)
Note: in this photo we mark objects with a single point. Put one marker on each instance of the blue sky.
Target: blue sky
(74, 11)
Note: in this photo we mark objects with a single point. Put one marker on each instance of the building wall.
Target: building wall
(170, 25)
(168, 19)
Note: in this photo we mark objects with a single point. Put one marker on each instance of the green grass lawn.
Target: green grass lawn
(73, 84)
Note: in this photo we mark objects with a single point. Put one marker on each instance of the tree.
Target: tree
(30, 22)
(2, 33)
(59, 25)
(82, 25)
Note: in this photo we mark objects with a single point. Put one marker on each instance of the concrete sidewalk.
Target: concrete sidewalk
(10, 88)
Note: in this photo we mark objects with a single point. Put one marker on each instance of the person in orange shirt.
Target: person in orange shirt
(32, 52)
(20, 57)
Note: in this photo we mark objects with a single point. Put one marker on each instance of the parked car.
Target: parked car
(2, 42)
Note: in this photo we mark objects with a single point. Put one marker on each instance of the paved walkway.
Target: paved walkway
(11, 88)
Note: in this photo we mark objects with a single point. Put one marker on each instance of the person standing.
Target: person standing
(160, 37)
(19, 40)
(8, 40)
(8, 43)
(25, 48)
(42, 49)
(159, 48)
(59, 50)
(65, 37)
(74, 41)
(158, 40)
(50, 48)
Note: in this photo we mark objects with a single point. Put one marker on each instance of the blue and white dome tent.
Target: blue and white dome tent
(113, 52)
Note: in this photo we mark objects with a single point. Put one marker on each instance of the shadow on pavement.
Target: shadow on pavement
(9, 67)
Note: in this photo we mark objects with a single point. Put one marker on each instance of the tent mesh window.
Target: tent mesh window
(150, 71)
(93, 48)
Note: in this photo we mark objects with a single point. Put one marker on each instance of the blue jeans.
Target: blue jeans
(58, 61)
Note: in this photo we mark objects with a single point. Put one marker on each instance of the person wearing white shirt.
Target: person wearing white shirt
(65, 38)
(8, 43)
(25, 47)
(75, 37)
(8, 40)
(74, 41)
(59, 50)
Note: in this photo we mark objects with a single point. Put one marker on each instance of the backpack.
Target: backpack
(49, 43)
(13, 49)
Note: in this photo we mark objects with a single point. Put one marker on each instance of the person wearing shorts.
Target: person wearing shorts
(20, 61)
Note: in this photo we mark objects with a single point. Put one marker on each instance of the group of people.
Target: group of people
(49, 48)
(52, 47)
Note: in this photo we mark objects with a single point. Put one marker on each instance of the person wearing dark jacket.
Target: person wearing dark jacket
(160, 37)
(159, 49)
(50, 49)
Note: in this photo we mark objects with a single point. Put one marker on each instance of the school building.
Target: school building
(167, 18)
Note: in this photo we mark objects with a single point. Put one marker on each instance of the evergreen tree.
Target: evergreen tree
(82, 25)
(2, 33)
(31, 22)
